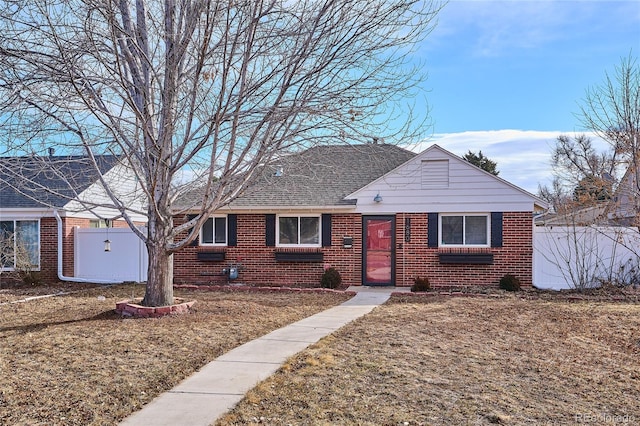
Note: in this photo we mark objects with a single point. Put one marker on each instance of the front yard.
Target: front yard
(70, 360)
(416, 360)
(458, 361)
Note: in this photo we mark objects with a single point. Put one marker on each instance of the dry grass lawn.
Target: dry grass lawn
(459, 361)
(70, 360)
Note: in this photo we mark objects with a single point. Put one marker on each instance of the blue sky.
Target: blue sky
(506, 77)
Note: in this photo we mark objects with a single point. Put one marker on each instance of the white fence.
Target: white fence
(569, 257)
(127, 260)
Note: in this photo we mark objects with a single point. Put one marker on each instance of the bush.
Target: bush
(330, 278)
(421, 284)
(30, 277)
(510, 283)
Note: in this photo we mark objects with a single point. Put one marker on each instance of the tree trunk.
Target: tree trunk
(159, 290)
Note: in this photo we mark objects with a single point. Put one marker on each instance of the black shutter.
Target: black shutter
(196, 240)
(432, 227)
(270, 230)
(326, 230)
(496, 229)
(232, 229)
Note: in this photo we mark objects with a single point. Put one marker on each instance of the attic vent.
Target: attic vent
(279, 171)
(435, 174)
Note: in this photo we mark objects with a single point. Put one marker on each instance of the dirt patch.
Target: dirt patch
(70, 360)
(449, 361)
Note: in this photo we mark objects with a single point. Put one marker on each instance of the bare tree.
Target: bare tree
(612, 111)
(208, 89)
(582, 176)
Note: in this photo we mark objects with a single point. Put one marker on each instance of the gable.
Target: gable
(439, 181)
(94, 200)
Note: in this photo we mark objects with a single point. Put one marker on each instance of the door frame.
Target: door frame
(365, 219)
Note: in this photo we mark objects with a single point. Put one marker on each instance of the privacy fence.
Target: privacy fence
(582, 257)
(126, 259)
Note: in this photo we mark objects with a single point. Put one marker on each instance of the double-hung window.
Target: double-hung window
(464, 230)
(299, 231)
(19, 244)
(214, 231)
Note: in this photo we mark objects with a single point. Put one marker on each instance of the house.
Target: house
(621, 209)
(624, 208)
(40, 196)
(379, 214)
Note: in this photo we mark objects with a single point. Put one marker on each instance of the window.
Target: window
(299, 230)
(469, 230)
(101, 223)
(19, 244)
(214, 231)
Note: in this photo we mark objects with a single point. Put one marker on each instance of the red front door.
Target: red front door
(378, 254)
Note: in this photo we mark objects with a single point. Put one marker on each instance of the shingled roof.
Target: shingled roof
(322, 175)
(36, 182)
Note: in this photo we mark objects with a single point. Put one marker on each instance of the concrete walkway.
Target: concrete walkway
(220, 385)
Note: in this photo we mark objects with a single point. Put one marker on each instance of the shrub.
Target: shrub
(421, 284)
(510, 283)
(330, 278)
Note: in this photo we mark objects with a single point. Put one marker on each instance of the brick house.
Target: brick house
(379, 214)
(40, 196)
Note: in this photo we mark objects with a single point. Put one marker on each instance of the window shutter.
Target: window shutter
(196, 240)
(432, 227)
(496, 229)
(270, 230)
(326, 230)
(232, 230)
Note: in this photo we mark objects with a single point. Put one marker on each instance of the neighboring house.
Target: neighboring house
(622, 209)
(578, 216)
(379, 214)
(66, 186)
(625, 206)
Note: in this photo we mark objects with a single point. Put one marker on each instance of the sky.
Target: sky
(507, 77)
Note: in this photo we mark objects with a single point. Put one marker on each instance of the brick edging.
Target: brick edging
(131, 308)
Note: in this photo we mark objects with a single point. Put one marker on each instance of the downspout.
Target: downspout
(61, 276)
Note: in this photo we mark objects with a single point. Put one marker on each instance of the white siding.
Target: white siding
(123, 183)
(406, 189)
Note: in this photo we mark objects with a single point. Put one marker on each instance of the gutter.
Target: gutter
(61, 276)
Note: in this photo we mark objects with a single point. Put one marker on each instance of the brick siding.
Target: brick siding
(413, 258)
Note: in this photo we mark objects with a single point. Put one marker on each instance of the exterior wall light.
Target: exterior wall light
(107, 245)
(377, 198)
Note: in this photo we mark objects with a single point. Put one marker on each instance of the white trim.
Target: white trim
(299, 216)
(226, 232)
(25, 213)
(487, 216)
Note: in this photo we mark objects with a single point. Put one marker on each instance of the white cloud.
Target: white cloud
(523, 156)
(500, 28)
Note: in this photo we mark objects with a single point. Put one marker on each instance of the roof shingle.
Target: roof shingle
(322, 175)
(35, 182)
